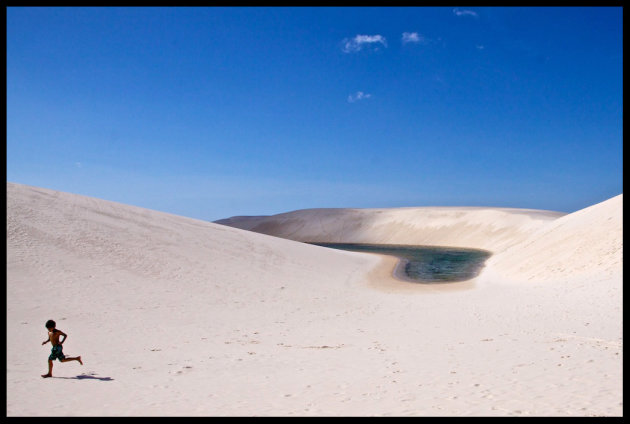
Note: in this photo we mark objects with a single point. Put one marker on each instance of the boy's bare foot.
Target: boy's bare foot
(80, 361)
(46, 375)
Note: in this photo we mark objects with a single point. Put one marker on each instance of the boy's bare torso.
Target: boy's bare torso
(54, 335)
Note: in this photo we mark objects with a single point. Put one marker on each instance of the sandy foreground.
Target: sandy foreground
(177, 316)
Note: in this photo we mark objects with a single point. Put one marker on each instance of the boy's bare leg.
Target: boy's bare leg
(50, 366)
(78, 358)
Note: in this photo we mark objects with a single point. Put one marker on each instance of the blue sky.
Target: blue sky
(215, 112)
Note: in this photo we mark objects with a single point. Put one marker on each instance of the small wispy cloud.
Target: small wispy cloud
(412, 37)
(352, 45)
(359, 95)
(464, 12)
(480, 47)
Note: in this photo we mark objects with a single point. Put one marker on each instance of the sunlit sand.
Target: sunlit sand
(177, 316)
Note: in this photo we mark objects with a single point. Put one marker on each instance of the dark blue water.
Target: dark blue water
(426, 264)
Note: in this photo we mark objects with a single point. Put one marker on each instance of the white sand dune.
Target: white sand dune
(587, 243)
(473, 227)
(527, 244)
(483, 228)
(176, 316)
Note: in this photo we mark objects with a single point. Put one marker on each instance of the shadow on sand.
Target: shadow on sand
(87, 377)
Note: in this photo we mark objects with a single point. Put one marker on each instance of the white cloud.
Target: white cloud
(412, 37)
(359, 41)
(359, 95)
(464, 12)
(480, 46)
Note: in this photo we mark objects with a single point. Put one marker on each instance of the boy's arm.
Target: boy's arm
(61, 333)
(47, 340)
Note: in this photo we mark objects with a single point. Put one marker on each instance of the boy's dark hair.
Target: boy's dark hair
(50, 324)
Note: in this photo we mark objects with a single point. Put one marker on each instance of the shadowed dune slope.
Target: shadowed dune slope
(91, 232)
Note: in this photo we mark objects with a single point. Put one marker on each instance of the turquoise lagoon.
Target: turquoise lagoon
(425, 264)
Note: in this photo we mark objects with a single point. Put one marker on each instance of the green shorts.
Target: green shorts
(56, 353)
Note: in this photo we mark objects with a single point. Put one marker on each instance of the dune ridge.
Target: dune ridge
(483, 228)
(179, 317)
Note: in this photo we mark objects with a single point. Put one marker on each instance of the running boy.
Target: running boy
(57, 353)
